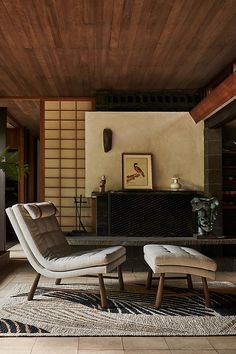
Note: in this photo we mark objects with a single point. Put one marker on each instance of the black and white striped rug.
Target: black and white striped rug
(74, 310)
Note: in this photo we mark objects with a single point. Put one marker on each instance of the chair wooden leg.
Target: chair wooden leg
(120, 277)
(189, 281)
(160, 290)
(149, 280)
(206, 292)
(58, 281)
(33, 287)
(102, 292)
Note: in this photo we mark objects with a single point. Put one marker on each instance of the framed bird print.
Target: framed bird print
(136, 171)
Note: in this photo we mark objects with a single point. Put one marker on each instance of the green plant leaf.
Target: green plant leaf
(9, 164)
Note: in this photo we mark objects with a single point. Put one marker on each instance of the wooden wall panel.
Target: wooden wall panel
(3, 124)
(64, 158)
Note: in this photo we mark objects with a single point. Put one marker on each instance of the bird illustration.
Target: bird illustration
(138, 169)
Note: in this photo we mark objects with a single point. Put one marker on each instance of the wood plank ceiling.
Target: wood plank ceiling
(75, 47)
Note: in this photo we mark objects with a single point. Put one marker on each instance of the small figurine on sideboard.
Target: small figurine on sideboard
(102, 184)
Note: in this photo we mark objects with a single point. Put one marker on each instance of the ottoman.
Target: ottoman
(165, 259)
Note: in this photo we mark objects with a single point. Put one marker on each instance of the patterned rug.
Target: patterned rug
(74, 310)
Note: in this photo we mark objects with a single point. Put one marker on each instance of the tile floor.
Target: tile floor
(20, 271)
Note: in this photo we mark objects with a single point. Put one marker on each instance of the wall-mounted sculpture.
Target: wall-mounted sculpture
(107, 139)
(206, 213)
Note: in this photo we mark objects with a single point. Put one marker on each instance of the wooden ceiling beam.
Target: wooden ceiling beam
(222, 117)
(12, 120)
(224, 93)
(21, 98)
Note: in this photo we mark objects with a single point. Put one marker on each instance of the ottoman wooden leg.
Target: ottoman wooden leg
(102, 292)
(206, 292)
(58, 281)
(149, 280)
(189, 281)
(160, 290)
(120, 278)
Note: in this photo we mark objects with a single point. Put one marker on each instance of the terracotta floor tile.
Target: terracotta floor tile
(101, 351)
(100, 343)
(223, 342)
(15, 351)
(194, 351)
(142, 343)
(54, 350)
(60, 345)
(198, 343)
(147, 351)
(56, 341)
(14, 344)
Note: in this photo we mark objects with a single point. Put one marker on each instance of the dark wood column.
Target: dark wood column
(21, 194)
(3, 122)
(32, 181)
(213, 169)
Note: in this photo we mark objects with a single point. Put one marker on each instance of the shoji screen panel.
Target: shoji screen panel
(64, 159)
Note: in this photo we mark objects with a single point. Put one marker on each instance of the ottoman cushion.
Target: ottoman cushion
(168, 255)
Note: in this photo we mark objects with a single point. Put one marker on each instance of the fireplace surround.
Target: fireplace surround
(155, 213)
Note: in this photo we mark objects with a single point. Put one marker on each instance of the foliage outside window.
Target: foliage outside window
(9, 164)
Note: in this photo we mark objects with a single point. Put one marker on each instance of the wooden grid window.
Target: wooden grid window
(64, 158)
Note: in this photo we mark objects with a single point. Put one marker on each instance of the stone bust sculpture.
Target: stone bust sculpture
(206, 213)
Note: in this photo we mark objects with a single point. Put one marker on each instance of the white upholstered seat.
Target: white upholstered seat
(47, 250)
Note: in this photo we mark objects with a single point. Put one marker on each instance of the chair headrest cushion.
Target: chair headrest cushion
(40, 210)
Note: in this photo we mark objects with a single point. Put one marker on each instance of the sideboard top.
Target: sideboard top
(149, 191)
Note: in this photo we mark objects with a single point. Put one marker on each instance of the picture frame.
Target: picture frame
(136, 171)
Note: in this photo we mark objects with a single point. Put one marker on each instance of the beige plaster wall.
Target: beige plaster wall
(174, 139)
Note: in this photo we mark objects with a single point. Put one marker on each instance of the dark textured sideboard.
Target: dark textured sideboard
(145, 213)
